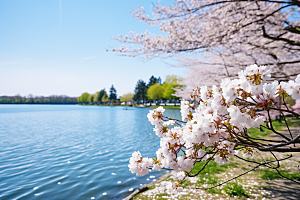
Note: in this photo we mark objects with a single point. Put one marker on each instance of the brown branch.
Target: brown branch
(281, 145)
(265, 17)
(283, 150)
(268, 111)
(272, 148)
(287, 177)
(266, 140)
(278, 163)
(176, 120)
(193, 175)
(287, 125)
(289, 111)
(291, 42)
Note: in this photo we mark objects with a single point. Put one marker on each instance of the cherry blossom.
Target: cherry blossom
(215, 127)
(216, 39)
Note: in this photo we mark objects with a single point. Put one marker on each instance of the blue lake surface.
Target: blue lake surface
(72, 151)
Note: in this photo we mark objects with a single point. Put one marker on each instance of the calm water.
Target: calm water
(73, 152)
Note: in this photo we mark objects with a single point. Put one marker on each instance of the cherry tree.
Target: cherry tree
(214, 127)
(233, 33)
(198, 74)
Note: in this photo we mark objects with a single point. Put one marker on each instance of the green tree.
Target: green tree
(112, 93)
(170, 83)
(96, 97)
(101, 93)
(127, 97)
(83, 98)
(90, 99)
(105, 98)
(155, 92)
(140, 91)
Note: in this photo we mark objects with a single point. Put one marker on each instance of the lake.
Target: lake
(72, 151)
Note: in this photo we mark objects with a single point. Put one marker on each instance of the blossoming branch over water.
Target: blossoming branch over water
(215, 126)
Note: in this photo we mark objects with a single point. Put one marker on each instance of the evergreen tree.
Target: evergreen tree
(140, 91)
(112, 93)
(153, 80)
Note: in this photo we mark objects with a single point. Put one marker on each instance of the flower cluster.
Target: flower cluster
(186, 110)
(139, 165)
(156, 118)
(215, 124)
(292, 88)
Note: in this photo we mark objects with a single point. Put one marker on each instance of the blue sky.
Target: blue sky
(59, 47)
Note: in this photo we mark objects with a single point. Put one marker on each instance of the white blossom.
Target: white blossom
(180, 175)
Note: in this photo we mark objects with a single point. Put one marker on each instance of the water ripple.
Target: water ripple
(72, 152)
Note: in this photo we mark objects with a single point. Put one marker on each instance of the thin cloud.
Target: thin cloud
(88, 58)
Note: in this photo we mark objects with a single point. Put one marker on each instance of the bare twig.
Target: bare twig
(260, 164)
(268, 111)
(287, 177)
(193, 175)
(289, 111)
(286, 124)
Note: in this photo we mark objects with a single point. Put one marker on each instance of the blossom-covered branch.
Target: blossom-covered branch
(224, 37)
(214, 127)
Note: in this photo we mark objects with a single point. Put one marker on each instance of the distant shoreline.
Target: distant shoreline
(39, 104)
(136, 106)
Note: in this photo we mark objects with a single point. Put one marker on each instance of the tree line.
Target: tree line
(143, 92)
(100, 97)
(155, 90)
(53, 99)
